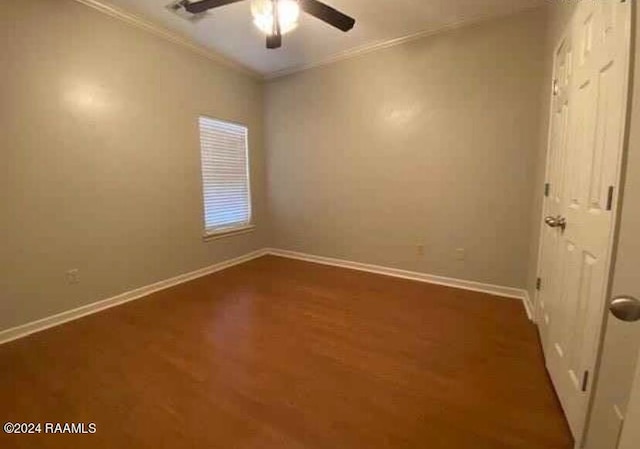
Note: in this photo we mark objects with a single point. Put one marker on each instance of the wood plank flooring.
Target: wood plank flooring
(277, 353)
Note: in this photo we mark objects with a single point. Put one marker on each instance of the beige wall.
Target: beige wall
(431, 143)
(100, 157)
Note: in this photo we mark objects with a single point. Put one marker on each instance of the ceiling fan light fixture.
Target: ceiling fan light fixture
(263, 15)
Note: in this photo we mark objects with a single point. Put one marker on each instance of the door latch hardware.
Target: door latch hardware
(556, 222)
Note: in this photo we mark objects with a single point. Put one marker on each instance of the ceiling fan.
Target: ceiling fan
(278, 17)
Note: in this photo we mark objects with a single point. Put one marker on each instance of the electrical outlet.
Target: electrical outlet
(420, 250)
(460, 254)
(73, 276)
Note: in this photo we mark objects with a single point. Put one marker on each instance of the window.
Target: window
(225, 177)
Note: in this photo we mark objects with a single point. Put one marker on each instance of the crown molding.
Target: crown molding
(138, 22)
(383, 44)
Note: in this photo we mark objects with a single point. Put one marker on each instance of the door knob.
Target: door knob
(556, 222)
(625, 308)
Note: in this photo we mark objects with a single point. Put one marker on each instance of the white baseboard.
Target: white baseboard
(70, 315)
(528, 306)
(496, 290)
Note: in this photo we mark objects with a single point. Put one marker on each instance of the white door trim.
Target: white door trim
(630, 429)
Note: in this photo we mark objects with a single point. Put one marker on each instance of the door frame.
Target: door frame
(633, 411)
(630, 31)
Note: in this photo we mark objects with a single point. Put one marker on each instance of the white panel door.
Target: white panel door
(555, 161)
(555, 179)
(586, 178)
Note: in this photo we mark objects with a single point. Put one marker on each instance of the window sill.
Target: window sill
(230, 232)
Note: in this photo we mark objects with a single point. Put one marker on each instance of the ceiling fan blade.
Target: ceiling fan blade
(204, 5)
(327, 14)
(274, 41)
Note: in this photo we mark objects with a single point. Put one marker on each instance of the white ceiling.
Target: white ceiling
(230, 31)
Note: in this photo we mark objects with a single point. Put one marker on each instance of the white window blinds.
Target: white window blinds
(225, 175)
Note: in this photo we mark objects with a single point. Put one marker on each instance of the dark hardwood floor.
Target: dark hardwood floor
(278, 353)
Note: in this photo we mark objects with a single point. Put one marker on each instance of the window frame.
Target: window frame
(209, 234)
